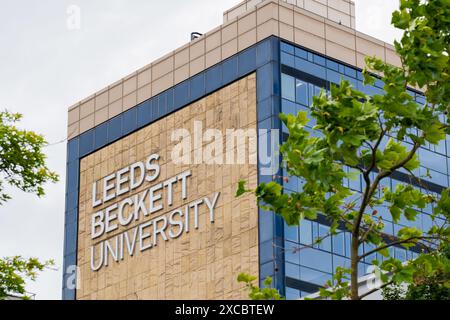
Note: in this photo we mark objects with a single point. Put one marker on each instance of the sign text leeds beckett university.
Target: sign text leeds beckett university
(140, 208)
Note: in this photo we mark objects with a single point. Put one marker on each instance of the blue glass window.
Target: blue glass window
(292, 184)
(162, 104)
(73, 176)
(350, 72)
(314, 276)
(291, 252)
(339, 261)
(306, 232)
(114, 129)
(334, 77)
(289, 107)
(400, 254)
(72, 200)
(291, 233)
(230, 67)
(292, 294)
(181, 94)
(72, 150)
(287, 59)
(266, 251)
(292, 270)
(301, 89)
(301, 53)
(213, 78)
(266, 225)
(332, 65)
(247, 61)
(86, 143)
(70, 239)
(267, 270)
(432, 160)
(339, 243)
(310, 68)
(324, 232)
(288, 87)
(71, 217)
(319, 60)
(129, 121)
(265, 109)
(154, 108)
(144, 113)
(198, 86)
(70, 260)
(287, 48)
(264, 76)
(264, 53)
(101, 135)
(170, 102)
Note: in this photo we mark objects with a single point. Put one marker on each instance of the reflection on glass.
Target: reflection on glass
(314, 276)
(301, 89)
(306, 232)
(288, 87)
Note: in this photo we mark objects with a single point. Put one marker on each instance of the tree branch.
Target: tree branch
(384, 285)
(394, 244)
(370, 190)
(374, 150)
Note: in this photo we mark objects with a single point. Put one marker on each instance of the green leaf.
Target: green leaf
(241, 188)
(243, 277)
(413, 164)
(384, 252)
(22, 158)
(268, 282)
(15, 271)
(410, 214)
(395, 212)
(435, 133)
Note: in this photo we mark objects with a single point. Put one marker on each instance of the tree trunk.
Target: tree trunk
(354, 266)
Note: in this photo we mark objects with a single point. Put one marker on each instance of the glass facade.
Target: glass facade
(307, 266)
(287, 79)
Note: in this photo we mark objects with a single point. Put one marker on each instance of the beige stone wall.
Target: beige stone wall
(339, 11)
(204, 263)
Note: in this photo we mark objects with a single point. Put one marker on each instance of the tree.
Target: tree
(431, 280)
(256, 293)
(374, 136)
(14, 271)
(22, 162)
(22, 165)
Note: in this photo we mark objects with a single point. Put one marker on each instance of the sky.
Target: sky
(47, 65)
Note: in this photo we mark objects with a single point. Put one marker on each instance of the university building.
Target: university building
(151, 211)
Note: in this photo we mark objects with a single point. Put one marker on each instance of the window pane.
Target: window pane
(326, 242)
(339, 244)
(305, 232)
(341, 262)
(291, 252)
(316, 259)
(291, 232)
(301, 92)
(313, 276)
(288, 87)
(292, 270)
(292, 294)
